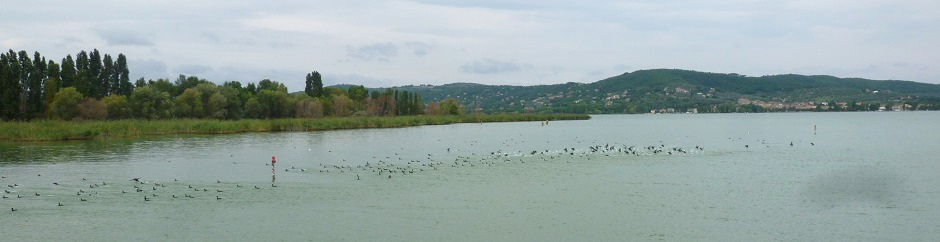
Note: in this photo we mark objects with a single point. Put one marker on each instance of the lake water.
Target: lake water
(846, 176)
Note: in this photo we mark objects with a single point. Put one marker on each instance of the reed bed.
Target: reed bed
(53, 130)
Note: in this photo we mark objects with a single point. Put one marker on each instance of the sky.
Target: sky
(502, 42)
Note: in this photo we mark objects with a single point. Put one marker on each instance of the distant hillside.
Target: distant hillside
(683, 90)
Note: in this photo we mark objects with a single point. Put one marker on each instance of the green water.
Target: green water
(858, 176)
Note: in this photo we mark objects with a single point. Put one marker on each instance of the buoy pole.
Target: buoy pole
(273, 161)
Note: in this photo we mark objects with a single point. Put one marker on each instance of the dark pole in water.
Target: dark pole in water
(273, 160)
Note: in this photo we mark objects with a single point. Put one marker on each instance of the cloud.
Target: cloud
(150, 68)
(374, 52)
(118, 37)
(10, 43)
(418, 48)
(488, 66)
(192, 69)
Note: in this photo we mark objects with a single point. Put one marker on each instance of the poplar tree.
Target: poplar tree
(68, 73)
(94, 74)
(105, 81)
(314, 85)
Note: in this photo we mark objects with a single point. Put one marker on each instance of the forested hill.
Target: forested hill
(683, 90)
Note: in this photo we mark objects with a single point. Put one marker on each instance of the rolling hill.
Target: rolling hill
(670, 90)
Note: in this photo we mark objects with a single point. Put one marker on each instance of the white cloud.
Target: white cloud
(123, 37)
(488, 66)
(373, 52)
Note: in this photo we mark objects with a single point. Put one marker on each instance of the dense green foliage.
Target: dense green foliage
(65, 130)
(95, 86)
(28, 85)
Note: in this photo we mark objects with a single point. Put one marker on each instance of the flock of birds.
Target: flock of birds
(388, 167)
(134, 189)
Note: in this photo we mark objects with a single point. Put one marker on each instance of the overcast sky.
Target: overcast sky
(390, 43)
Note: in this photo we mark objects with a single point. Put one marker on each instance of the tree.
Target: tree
(358, 93)
(65, 104)
(94, 75)
(233, 101)
(451, 106)
(341, 106)
(35, 102)
(118, 107)
(53, 82)
(26, 68)
(107, 79)
(9, 86)
(51, 88)
(189, 104)
(314, 85)
(267, 84)
(82, 81)
(253, 109)
(269, 104)
(124, 86)
(140, 82)
(308, 107)
(92, 109)
(68, 73)
(433, 109)
(216, 107)
(183, 82)
(149, 103)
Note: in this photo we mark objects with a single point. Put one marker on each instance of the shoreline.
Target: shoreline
(57, 130)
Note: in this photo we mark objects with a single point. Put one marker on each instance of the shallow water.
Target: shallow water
(858, 176)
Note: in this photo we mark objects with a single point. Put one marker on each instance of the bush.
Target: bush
(65, 104)
(92, 109)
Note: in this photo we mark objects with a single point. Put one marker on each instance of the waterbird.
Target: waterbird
(218, 198)
(12, 209)
(60, 204)
(146, 199)
(82, 199)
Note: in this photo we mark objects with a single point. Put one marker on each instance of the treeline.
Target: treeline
(29, 85)
(92, 87)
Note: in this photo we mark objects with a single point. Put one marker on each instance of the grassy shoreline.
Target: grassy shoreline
(54, 130)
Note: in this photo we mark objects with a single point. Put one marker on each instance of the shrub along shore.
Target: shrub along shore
(52, 130)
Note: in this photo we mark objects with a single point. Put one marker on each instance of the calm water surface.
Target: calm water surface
(846, 176)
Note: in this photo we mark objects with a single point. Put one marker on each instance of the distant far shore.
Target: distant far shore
(55, 130)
